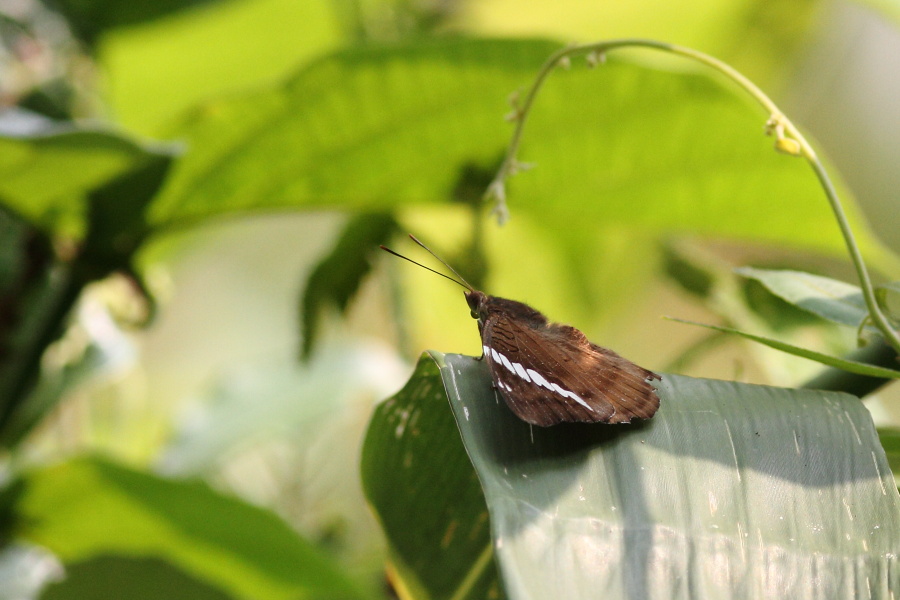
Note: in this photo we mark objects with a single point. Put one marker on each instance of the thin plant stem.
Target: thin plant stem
(788, 139)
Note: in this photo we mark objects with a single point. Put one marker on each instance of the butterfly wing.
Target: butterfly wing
(549, 373)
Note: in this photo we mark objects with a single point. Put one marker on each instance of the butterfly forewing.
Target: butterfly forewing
(549, 373)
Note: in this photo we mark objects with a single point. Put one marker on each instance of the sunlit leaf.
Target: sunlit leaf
(378, 127)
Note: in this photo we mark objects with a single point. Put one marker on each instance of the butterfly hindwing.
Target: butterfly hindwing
(549, 373)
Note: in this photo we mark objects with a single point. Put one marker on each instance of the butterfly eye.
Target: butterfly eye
(474, 314)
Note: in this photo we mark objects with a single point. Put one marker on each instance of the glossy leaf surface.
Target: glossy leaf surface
(730, 491)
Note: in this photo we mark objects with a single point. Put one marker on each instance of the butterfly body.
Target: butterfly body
(548, 373)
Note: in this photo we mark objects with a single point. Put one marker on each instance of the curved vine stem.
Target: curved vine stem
(789, 140)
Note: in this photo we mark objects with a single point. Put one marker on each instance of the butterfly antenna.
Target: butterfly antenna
(465, 285)
(443, 262)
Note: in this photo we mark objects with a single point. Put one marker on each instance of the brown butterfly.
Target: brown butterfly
(550, 373)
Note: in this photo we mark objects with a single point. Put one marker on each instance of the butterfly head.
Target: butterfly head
(477, 301)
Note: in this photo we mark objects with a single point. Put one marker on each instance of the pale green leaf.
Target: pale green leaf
(730, 491)
(828, 298)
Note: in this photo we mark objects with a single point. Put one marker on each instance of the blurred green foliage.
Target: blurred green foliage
(142, 127)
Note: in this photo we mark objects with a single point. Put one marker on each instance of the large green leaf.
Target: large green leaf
(86, 508)
(374, 127)
(731, 490)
